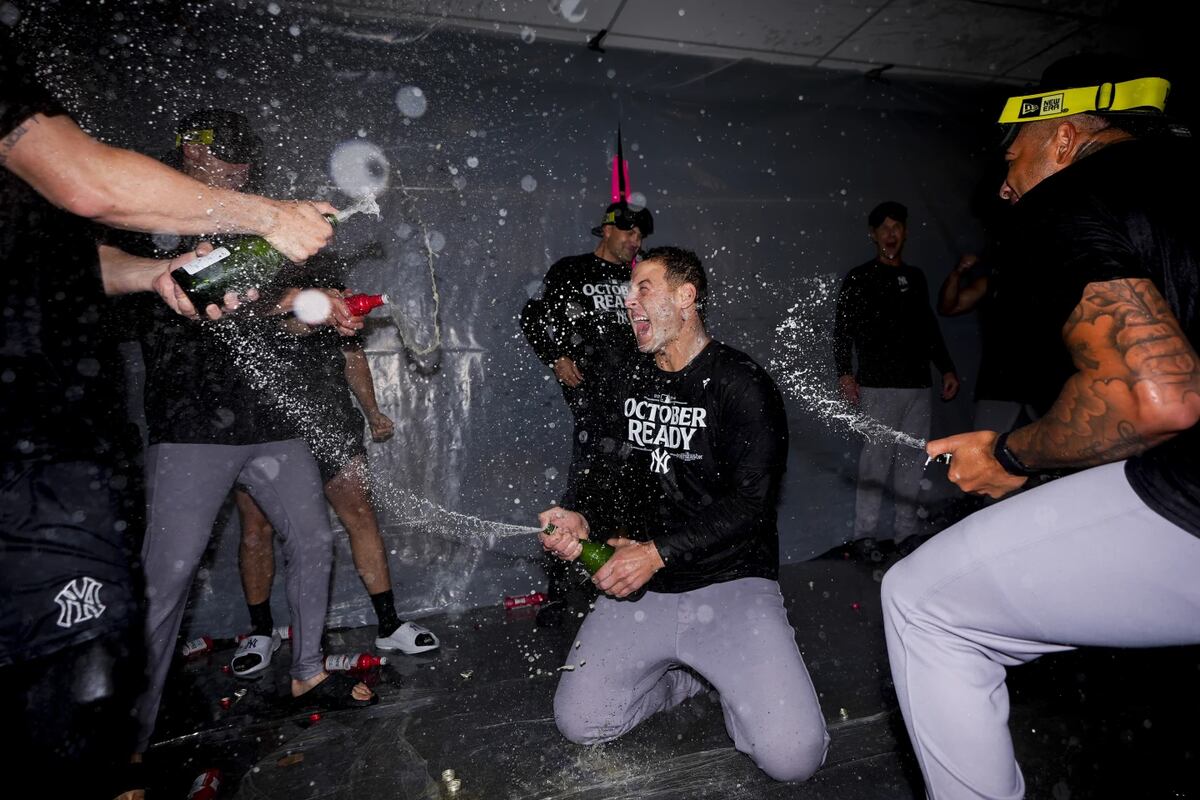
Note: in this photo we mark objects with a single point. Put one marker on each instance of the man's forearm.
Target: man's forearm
(123, 273)
(1137, 386)
(126, 189)
(358, 375)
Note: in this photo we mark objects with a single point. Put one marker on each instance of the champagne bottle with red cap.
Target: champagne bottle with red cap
(362, 304)
(244, 263)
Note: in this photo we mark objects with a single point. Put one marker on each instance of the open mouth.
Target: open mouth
(641, 326)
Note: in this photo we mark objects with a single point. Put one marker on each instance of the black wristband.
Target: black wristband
(1012, 465)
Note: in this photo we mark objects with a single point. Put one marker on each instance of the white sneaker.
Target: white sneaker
(410, 639)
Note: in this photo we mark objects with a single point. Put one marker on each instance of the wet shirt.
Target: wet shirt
(207, 382)
(1118, 214)
(709, 446)
(883, 314)
(580, 313)
(61, 377)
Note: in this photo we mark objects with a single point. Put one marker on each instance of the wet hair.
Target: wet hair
(888, 208)
(683, 266)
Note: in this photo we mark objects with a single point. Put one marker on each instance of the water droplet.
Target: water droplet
(411, 101)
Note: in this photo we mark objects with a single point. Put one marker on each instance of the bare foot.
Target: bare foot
(360, 692)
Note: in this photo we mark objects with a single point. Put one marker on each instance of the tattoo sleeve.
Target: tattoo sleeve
(1137, 384)
(9, 142)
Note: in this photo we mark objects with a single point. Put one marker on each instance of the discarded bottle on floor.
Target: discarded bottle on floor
(534, 599)
(206, 785)
(361, 304)
(244, 263)
(359, 662)
(195, 647)
(594, 554)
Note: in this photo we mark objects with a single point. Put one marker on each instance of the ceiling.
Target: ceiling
(966, 40)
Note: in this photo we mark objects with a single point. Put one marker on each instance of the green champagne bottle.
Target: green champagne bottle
(243, 264)
(594, 554)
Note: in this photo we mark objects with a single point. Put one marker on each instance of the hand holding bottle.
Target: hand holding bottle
(562, 530)
(298, 229)
(170, 291)
(629, 568)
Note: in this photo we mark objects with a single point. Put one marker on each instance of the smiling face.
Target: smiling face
(889, 240)
(655, 307)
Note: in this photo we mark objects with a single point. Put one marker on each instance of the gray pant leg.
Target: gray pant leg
(736, 634)
(284, 481)
(1080, 561)
(874, 462)
(186, 484)
(907, 411)
(623, 660)
(909, 464)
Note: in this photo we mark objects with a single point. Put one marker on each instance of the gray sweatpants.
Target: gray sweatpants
(1077, 562)
(908, 411)
(186, 485)
(627, 659)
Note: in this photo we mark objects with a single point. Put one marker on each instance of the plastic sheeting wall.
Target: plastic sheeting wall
(767, 172)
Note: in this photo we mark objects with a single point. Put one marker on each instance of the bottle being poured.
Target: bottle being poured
(246, 262)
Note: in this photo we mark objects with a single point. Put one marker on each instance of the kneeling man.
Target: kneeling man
(694, 592)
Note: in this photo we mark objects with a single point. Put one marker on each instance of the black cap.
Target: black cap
(228, 135)
(626, 217)
(886, 209)
(1099, 69)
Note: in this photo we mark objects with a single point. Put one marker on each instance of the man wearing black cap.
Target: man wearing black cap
(883, 316)
(1107, 296)
(209, 429)
(578, 327)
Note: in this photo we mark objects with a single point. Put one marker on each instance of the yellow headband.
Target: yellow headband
(203, 136)
(1142, 93)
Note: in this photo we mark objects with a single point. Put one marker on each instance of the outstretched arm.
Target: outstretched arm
(124, 189)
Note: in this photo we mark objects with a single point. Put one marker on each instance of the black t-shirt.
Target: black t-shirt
(204, 379)
(708, 446)
(61, 378)
(580, 313)
(883, 312)
(1118, 214)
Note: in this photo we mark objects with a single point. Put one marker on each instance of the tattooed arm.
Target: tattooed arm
(1137, 385)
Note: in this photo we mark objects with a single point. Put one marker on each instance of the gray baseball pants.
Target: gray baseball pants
(628, 658)
(908, 411)
(186, 485)
(1077, 562)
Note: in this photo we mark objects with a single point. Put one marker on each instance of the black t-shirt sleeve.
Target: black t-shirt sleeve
(545, 312)
(938, 353)
(752, 447)
(20, 95)
(1089, 246)
(843, 327)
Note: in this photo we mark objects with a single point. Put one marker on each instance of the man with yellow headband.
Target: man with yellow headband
(1105, 299)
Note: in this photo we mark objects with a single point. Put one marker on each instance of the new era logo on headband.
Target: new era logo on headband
(1038, 106)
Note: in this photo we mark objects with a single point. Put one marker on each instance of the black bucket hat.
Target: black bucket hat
(626, 217)
(228, 135)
